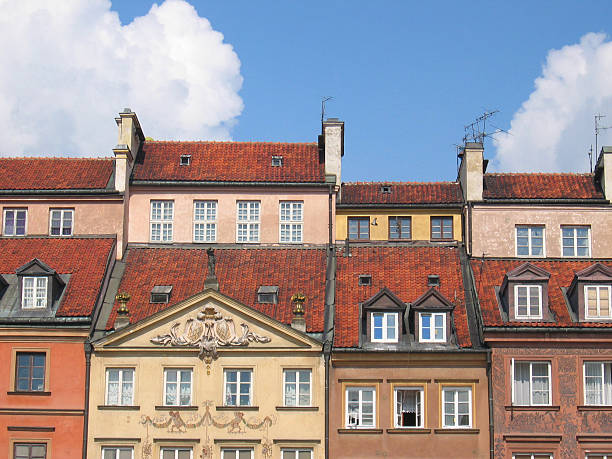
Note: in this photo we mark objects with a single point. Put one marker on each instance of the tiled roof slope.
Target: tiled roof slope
(403, 270)
(489, 274)
(240, 272)
(540, 186)
(229, 161)
(402, 193)
(55, 173)
(85, 259)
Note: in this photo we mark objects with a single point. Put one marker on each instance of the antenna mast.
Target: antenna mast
(598, 128)
(323, 100)
(477, 131)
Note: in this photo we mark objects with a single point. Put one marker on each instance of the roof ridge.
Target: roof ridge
(231, 141)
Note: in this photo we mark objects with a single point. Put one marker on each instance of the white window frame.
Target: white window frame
(586, 302)
(529, 241)
(117, 450)
(606, 396)
(291, 223)
(121, 386)
(208, 225)
(360, 389)
(239, 372)
(63, 213)
(593, 455)
(38, 292)
(251, 222)
(297, 385)
(421, 405)
(531, 455)
(575, 240)
(432, 327)
(531, 363)
(176, 450)
(225, 452)
(178, 383)
(516, 305)
(15, 211)
(164, 224)
(385, 323)
(455, 402)
(297, 452)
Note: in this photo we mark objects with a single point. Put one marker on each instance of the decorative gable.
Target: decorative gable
(39, 285)
(589, 294)
(524, 294)
(431, 316)
(382, 318)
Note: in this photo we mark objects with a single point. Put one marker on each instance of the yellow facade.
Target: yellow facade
(246, 341)
(379, 222)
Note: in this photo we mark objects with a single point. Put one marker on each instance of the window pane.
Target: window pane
(168, 454)
(184, 454)
(108, 453)
(125, 453)
(244, 454)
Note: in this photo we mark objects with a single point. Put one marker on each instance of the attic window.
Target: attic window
(365, 279)
(385, 189)
(161, 294)
(185, 160)
(277, 161)
(433, 280)
(267, 294)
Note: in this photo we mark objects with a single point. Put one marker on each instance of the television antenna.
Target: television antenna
(477, 131)
(598, 128)
(323, 100)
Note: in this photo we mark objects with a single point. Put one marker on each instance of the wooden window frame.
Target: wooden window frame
(441, 218)
(360, 221)
(400, 238)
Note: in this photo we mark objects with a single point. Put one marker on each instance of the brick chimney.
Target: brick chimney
(603, 171)
(128, 143)
(298, 322)
(333, 144)
(471, 171)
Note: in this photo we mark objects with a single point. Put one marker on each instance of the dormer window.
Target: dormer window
(432, 327)
(384, 327)
(161, 294)
(185, 160)
(527, 301)
(34, 292)
(365, 279)
(267, 294)
(277, 161)
(597, 301)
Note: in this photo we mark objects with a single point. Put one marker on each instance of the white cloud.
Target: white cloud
(553, 129)
(67, 69)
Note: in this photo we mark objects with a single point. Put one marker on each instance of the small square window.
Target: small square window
(365, 279)
(277, 161)
(185, 160)
(384, 327)
(432, 327)
(30, 372)
(161, 294)
(267, 294)
(433, 280)
(238, 387)
(386, 189)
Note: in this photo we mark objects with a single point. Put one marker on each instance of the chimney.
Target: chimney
(298, 322)
(123, 315)
(603, 171)
(129, 141)
(333, 144)
(471, 171)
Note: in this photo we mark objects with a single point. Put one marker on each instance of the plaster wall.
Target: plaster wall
(316, 211)
(421, 224)
(494, 228)
(432, 441)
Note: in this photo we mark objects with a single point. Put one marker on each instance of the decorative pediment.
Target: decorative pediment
(595, 272)
(528, 271)
(35, 266)
(210, 330)
(432, 299)
(384, 299)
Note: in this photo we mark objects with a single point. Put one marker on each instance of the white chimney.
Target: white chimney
(128, 143)
(471, 171)
(603, 171)
(333, 140)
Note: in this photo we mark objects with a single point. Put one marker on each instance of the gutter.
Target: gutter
(552, 202)
(491, 424)
(77, 191)
(543, 328)
(387, 205)
(36, 321)
(223, 183)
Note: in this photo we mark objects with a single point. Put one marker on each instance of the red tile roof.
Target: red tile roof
(240, 273)
(540, 186)
(402, 193)
(85, 259)
(229, 161)
(403, 270)
(489, 274)
(55, 173)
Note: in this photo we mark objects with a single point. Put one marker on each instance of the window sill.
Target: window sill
(532, 407)
(408, 430)
(297, 408)
(594, 408)
(458, 430)
(119, 407)
(237, 408)
(176, 408)
(34, 392)
(360, 431)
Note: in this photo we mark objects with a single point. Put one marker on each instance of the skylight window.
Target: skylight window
(185, 160)
(277, 161)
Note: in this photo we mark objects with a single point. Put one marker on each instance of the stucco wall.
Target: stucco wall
(315, 229)
(493, 228)
(421, 225)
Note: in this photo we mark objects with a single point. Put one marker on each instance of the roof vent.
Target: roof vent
(161, 294)
(277, 161)
(267, 294)
(365, 279)
(385, 189)
(433, 280)
(185, 160)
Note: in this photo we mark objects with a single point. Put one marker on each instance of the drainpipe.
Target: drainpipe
(326, 355)
(490, 382)
(88, 349)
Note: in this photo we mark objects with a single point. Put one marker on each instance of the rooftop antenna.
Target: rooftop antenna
(477, 131)
(598, 128)
(323, 100)
(590, 153)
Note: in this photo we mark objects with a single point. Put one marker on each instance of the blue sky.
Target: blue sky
(406, 78)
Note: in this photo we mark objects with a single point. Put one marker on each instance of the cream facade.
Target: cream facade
(209, 377)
